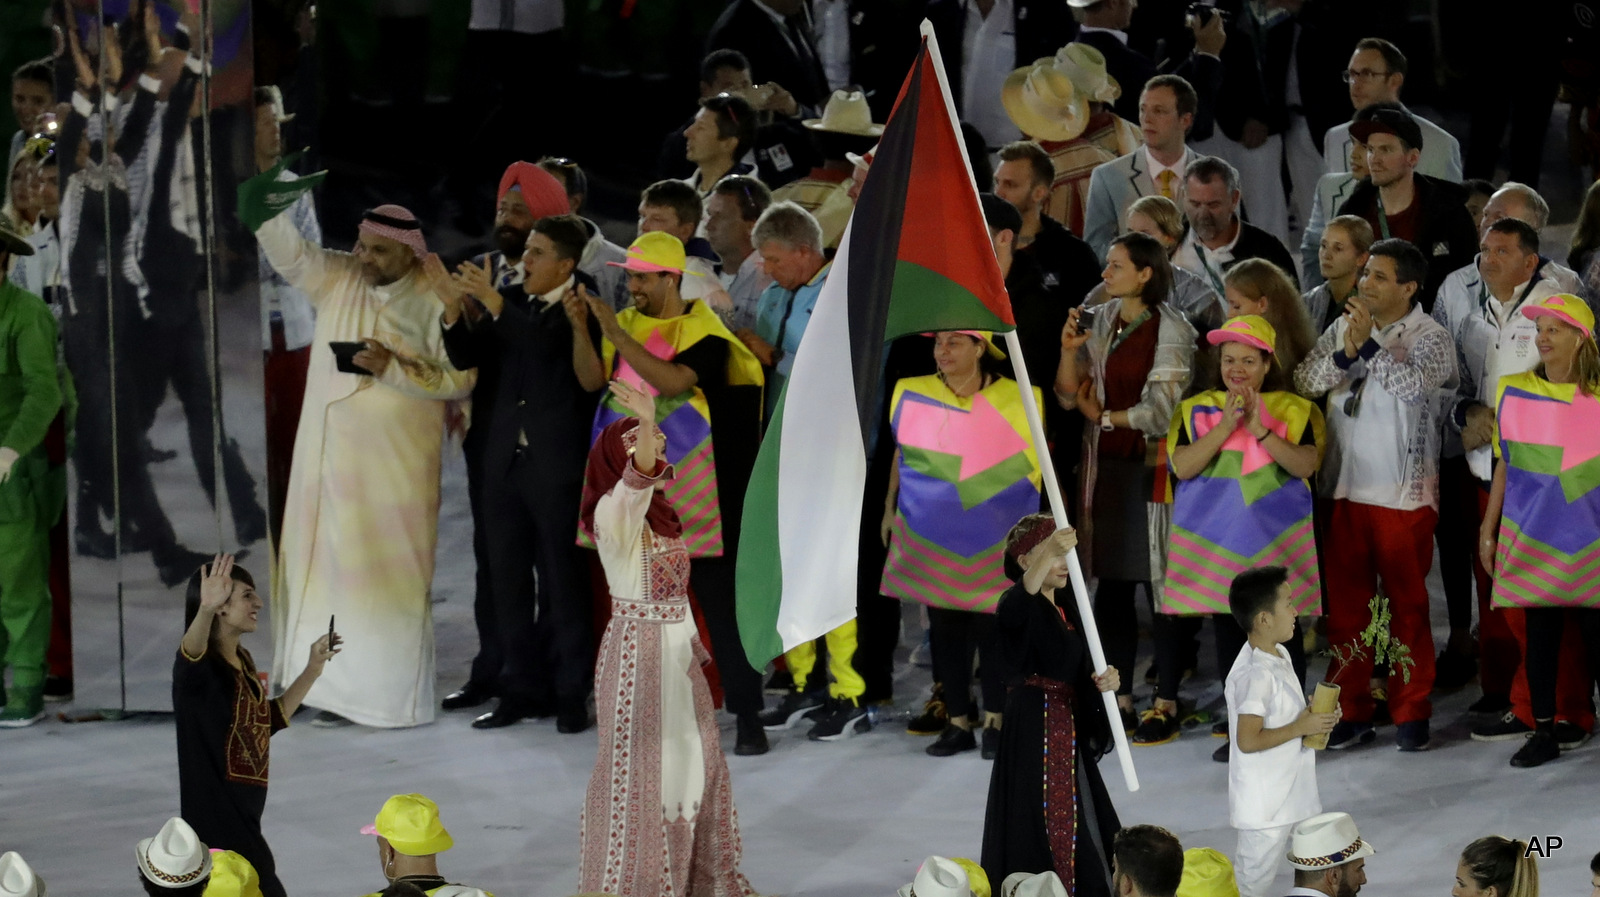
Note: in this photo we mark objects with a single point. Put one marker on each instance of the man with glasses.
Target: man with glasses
(1385, 366)
(1376, 73)
(1402, 204)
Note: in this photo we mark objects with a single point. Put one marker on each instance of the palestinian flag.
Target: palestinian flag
(915, 257)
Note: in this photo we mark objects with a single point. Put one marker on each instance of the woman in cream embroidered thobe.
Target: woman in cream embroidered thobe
(362, 514)
(658, 818)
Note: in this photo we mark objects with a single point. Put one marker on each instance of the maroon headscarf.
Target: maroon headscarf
(607, 459)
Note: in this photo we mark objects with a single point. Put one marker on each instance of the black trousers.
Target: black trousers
(539, 580)
(1545, 627)
(957, 637)
(1457, 535)
(109, 451)
(1118, 621)
(712, 580)
(877, 615)
(486, 665)
(179, 358)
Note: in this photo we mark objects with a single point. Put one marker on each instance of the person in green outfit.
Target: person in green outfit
(30, 396)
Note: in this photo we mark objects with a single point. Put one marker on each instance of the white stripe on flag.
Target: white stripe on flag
(822, 470)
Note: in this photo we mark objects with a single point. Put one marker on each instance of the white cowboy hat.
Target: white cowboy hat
(846, 113)
(1043, 102)
(938, 877)
(174, 858)
(1086, 66)
(1032, 884)
(1325, 841)
(17, 878)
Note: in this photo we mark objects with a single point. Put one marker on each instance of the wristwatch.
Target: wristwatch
(1105, 422)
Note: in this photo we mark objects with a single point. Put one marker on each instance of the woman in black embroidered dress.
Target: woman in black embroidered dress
(224, 718)
(1055, 728)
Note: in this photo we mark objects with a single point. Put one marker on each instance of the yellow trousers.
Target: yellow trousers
(841, 640)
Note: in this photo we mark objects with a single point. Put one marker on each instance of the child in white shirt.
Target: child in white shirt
(1272, 775)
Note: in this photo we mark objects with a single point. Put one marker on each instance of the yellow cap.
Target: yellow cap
(1252, 330)
(1565, 307)
(655, 252)
(232, 876)
(410, 823)
(977, 879)
(1207, 873)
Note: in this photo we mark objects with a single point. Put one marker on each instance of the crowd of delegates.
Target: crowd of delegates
(1435, 385)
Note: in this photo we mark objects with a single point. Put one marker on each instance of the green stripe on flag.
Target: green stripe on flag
(923, 301)
(758, 574)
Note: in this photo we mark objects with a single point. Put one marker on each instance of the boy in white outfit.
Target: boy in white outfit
(1272, 774)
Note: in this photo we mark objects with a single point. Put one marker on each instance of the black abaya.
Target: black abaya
(1044, 658)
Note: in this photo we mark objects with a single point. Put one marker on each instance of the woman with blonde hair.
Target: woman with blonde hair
(1258, 287)
(1496, 867)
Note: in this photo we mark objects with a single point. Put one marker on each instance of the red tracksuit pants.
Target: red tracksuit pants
(1367, 545)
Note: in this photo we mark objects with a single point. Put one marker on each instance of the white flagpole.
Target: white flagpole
(1052, 488)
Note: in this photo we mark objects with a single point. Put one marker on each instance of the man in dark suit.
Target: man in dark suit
(536, 641)
(1103, 24)
(1217, 238)
(1429, 213)
(775, 35)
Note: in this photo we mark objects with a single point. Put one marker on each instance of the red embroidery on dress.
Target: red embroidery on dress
(250, 731)
(1060, 777)
(631, 845)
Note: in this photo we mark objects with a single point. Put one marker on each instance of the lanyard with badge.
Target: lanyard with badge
(1383, 218)
(1211, 274)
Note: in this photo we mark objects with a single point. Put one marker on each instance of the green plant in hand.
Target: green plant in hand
(1377, 636)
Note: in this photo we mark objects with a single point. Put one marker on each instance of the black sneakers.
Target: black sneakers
(794, 707)
(1413, 736)
(1506, 728)
(838, 719)
(1348, 734)
(934, 718)
(1539, 749)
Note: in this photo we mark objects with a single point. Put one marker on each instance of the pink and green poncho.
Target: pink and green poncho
(1243, 510)
(1548, 438)
(968, 473)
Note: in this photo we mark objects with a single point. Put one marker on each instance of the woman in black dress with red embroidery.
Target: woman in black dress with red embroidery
(224, 718)
(1055, 728)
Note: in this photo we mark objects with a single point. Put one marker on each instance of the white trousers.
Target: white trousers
(1305, 166)
(1258, 859)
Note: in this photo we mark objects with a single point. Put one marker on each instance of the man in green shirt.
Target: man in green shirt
(30, 396)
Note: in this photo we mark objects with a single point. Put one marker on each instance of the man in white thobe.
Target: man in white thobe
(361, 517)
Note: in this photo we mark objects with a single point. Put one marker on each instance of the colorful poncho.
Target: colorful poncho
(968, 473)
(1548, 438)
(1243, 510)
(684, 418)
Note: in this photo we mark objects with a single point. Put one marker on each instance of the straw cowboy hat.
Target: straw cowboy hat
(1086, 66)
(175, 857)
(17, 878)
(847, 112)
(938, 877)
(1043, 103)
(1032, 884)
(1325, 841)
